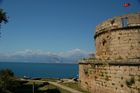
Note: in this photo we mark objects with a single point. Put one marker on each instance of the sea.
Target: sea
(42, 70)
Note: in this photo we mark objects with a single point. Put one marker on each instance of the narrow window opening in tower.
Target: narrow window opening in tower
(107, 37)
(104, 42)
(118, 38)
(124, 22)
(112, 21)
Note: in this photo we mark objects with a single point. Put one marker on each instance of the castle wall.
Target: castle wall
(116, 68)
(118, 38)
(110, 78)
(120, 44)
(116, 22)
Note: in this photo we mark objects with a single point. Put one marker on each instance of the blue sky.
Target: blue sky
(57, 25)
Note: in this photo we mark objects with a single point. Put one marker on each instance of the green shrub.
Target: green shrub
(7, 81)
(130, 81)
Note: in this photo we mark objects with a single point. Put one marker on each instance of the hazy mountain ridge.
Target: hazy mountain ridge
(71, 56)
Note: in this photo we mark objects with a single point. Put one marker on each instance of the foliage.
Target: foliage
(53, 91)
(3, 16)
(39, 87)
(7, 81)
(75, 86)
(88, 60)
(130, 82)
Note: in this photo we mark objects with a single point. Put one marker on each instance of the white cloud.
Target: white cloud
(40, 52)
(39, 55)
(72, 52)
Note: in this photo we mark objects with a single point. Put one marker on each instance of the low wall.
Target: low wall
(110, 78)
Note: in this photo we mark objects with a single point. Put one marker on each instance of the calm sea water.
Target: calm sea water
(51, 70)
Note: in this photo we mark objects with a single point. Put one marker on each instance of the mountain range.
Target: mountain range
(38, 56)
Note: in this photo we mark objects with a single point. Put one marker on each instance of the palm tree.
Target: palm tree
(3, 17)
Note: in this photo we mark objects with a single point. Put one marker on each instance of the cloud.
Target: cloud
(29, 55)
(73, 52)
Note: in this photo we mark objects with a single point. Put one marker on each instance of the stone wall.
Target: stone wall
(107, 78)
(115, 41)
(116, 68)
(120, 44)
(116, 22)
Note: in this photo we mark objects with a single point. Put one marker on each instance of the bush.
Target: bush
(130, 82)
(8, 82)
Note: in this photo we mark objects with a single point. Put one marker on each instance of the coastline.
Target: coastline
(39, 62)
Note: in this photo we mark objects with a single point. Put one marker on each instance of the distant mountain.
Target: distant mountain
(71, 56)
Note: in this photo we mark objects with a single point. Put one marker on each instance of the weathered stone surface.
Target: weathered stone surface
(117, 65)
(113, 41)
(109, 78)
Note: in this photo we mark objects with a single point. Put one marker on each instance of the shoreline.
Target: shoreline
(39, 62)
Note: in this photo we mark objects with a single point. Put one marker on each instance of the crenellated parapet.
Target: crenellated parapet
(118, 38)
(120, 22)
(116, 66)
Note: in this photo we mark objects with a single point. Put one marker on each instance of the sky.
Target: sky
(57, 25)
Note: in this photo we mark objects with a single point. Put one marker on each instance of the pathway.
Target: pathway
(64, 87)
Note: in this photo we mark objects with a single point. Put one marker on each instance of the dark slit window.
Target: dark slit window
(124, 22)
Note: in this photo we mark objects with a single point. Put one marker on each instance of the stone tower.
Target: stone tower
(116, 66)
(119, 38)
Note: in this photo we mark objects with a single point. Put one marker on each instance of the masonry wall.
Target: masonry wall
(116, 22)
(116, 68)
(118, 38)
(120, 44)
(110, 78)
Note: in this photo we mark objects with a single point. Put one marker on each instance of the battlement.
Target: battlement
(116, 66)
(120, 22)
(118, 38)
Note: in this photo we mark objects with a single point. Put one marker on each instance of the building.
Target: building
(116, 68)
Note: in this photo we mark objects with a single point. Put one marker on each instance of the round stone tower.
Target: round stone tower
(118, 38)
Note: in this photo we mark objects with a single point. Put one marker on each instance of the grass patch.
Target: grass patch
(50, 79)
(74, 86)
(39, 87)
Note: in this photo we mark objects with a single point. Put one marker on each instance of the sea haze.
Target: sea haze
(36, 56)
(50, 70)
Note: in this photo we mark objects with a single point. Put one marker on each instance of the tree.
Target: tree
(7, 81)
(3, 17)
